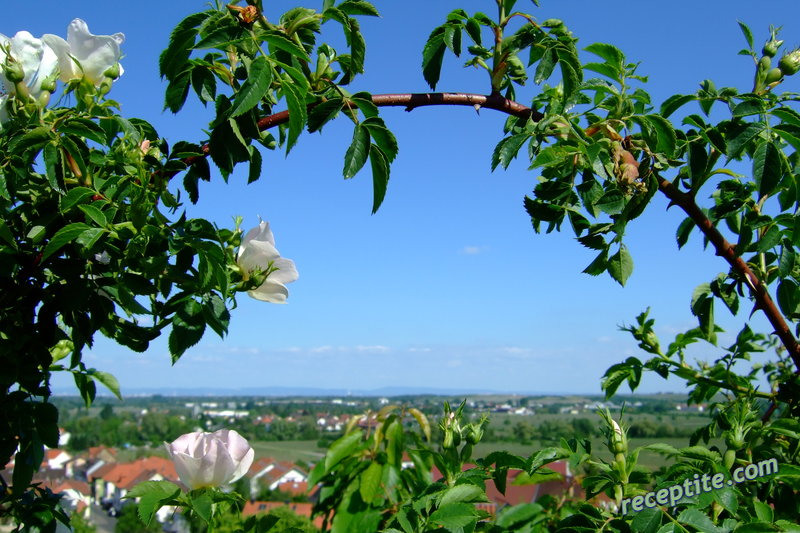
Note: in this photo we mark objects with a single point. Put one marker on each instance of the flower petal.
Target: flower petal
(256, 255)
(95, 53)
(286, 273)
(262, 232)
(66, 63)
(270, 291)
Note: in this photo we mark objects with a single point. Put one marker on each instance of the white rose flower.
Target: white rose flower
(34, 62)
(255, 253)
(84, 54)
(210, 459)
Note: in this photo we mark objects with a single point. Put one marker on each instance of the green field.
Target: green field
(289, 450)
(308, 452)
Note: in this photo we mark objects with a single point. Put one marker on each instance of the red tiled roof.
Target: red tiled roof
(259, 465)
(295, 488)
(126, 475)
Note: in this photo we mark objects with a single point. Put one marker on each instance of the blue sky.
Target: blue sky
(447, 285)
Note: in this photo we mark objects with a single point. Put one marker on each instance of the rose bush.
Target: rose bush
(210, 459)
(258, 255)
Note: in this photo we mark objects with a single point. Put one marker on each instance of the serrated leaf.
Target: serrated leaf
(380, 176)
(177, 91)
(465, 493)
(369, 482)
(382, 136)
(259, 78)
(598, 265)
(342, 448)
(620, 265)
(684, 230)
(507, 150)
(220, 36)
(297, 114)
(188, 326)
(454, 516)
(181, 41)
(62, 237)
(324, 112)
(74, 197)
(767, 168)
(357, 153)
(737, 144)
(748, 35)
(699, 520)
(280, 41)
(255, 165)
(675, 102)
(110, 382)
(432, 57)
(151, 496)
(358, 7)
(94, 214)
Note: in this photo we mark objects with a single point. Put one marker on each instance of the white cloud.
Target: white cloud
(375, 348)
(473, 250)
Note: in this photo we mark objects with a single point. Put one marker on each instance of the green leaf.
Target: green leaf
(177, 91)
(612, 202)
(665, 134)
(50, 156)
(255, 165)
(110, 382)
(358, 7)
(703, 308)
(465, 493)
(380, 176)
(174, 58)
(748, 35)
(599, 265)
(675, 102)
(767, 168)
(432, 57)
(85, 128)
(297, 113)
(74, 197)
(152, 496)
(221, 36)
(454, 516)
(370, 481)
(94, 214)
(356, 155)
(684, 230)
(279, 41)
(259, 78)
(65, 235)
(341, 448)
(647, 521)
(611, 54)
(188, 327)
(203, 505)
(699, 520)
(323, 113)
(620, 265)
(382, 136)
(507, 149)
(739, 140)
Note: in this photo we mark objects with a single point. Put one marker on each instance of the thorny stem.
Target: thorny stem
(683, 200)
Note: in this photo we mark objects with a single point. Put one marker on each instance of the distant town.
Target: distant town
(107, 449)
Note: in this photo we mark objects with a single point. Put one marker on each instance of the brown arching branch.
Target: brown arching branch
(685, 201)
(411, 101)
(725, 249)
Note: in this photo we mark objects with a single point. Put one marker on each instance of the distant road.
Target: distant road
(101, 520)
